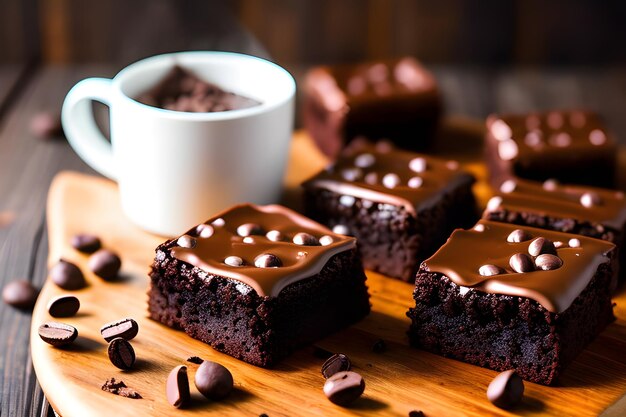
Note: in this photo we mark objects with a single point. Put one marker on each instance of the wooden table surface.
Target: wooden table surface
(27, 165)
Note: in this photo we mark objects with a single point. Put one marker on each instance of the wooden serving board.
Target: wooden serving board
(397, 381)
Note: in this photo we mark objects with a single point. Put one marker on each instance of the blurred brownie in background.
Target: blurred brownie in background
(394, 99)
(571, 146)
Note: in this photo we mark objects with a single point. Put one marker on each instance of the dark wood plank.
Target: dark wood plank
(80, 31)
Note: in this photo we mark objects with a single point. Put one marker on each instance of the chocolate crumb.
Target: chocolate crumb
(120, 388)
(195, 359)
(416, 413)
(263, 415)
(380, 346)
(321, 353)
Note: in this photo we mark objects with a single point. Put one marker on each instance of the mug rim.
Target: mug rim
(206, 116)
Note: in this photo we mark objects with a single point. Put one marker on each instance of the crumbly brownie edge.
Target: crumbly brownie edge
(249, 327)
(391, 240)
(502, 332)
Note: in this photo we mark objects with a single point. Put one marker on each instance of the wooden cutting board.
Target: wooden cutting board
(397, 381)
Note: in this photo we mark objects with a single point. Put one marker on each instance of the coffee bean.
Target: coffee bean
(305, 239)
(67, 276)
(274, 236)
(205, 231)
(506, 390)
(249, 229)
(177, 387)
(517, 236)
(548, 262)
(213, 380)
(86, 243)
(364, 160)
(520, 262)
(63, 306)
(326, 240)
(126, 329)
(489, 270)
(574, 243)
(344, 388)
(46, 125)
(590, 199)
(57, 334)
(336, 363)
(233, 261)
(541, 245)
(20, 294)
(379, 346)
(267, 260)
(121, 353)
(186, 241)
(105, 264)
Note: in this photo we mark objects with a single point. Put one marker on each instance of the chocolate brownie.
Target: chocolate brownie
(182, 90)
(256, 282)
(401, 206)
(571, 146)
(506, 298)
(584, 210)
(396, 99)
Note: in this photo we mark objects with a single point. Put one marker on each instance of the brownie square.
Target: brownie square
(588, 211)
(401, 206)
(396, 99)
(257, 282)
(506, 298)
(571, 146)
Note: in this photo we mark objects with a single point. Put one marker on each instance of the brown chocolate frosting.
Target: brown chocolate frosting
(349, 85)
(241, 234)
(524, 136)
(467, 250)
(383, 174)
(599, 205)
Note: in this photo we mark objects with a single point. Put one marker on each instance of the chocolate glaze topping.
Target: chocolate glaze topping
(383, 174)
(463, 258)
(600, 205)
(350, 85)
(523, 136)
(239, 247)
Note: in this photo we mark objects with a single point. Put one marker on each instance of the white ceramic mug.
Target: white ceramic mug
(175, 169)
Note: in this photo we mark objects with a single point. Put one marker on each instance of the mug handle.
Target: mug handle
(80, 126)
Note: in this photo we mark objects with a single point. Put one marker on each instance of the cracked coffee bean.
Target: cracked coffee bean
(20, 294)
(213, 380)
(520, 262)
(540, 246)
(63, 306)
(548, 262)
(344, 388)
(336, 363)
(177, 387)
(517, 236)
(126, 329)
(86, 243)
(506, 390)
(105, 264)
(67, 276)
(121, 353)
(57, 334)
